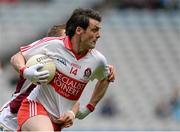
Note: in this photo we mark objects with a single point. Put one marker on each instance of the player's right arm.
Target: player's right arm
(18, 61)
(31, 73)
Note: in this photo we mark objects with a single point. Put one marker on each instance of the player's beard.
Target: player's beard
(81, 46)
(93, 45)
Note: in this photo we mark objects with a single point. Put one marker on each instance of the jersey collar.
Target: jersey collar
(68, 45)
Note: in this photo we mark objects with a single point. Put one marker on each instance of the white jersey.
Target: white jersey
(72, 74)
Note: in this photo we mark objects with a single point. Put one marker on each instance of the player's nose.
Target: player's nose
(98, 35)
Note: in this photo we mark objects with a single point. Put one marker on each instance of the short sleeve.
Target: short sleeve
(37, 47)
(102, 71)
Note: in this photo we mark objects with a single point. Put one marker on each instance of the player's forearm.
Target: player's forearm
(99, 92)
(75, 107)
(18, 61)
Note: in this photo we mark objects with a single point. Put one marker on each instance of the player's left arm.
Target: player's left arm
(105, 74)
(101, 87)
(98, 93)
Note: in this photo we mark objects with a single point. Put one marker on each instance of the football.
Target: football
(47, 62)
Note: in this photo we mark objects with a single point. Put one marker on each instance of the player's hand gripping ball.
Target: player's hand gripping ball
(47, 62)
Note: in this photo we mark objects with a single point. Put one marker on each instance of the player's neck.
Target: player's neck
(77, 47)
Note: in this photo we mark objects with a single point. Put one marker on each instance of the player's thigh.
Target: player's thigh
(38, 123)
(33, 116)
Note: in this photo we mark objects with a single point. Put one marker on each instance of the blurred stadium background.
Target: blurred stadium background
(141, 38)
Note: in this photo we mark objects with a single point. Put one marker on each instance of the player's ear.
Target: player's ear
(79, 30)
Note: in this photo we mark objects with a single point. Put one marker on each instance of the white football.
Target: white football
(47, 62)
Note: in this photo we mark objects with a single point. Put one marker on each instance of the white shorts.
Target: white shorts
(8, 121)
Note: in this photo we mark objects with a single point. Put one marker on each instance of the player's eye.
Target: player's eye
(95, 30)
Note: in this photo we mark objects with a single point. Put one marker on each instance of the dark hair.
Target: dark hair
(80, 17)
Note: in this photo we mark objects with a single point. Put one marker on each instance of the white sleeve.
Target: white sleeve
(37, 47)
(102, 71)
